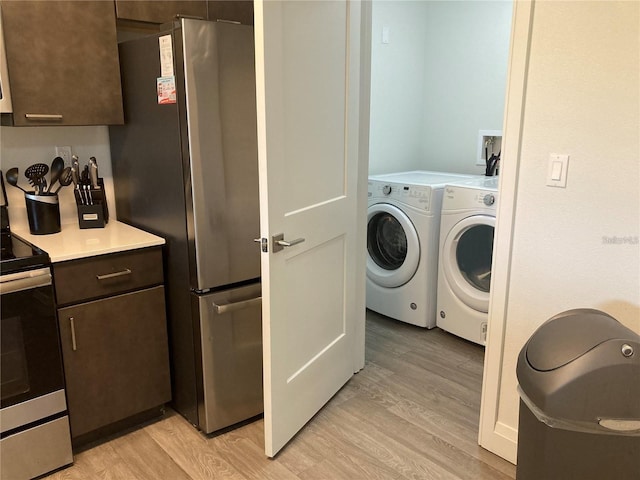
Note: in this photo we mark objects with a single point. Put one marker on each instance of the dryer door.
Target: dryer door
(466, 260)
(393, 246)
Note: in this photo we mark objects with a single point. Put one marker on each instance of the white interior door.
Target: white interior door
(307, 67)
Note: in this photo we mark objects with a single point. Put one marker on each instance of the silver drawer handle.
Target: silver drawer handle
(42, 116)
(233, 307)
(106, 276)
(290, 243)
(74, 346)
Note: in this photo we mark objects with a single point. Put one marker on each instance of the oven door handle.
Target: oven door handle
(17, 282)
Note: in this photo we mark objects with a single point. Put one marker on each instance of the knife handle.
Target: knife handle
(74, 176)
(93, 175)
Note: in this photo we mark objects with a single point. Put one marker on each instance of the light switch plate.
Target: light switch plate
(557, 170)
(385, 35)
(65, 153)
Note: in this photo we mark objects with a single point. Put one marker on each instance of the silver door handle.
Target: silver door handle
(279, 243)
(285, 243)
(234, 307)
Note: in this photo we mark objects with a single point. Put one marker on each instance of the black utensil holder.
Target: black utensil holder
(43, 213)
(92, 206)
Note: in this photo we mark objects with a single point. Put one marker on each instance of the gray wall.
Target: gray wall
(24, 146)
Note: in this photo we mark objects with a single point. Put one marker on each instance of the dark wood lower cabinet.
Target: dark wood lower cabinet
(116, 362)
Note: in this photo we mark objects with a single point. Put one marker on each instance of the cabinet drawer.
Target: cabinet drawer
(104, 275)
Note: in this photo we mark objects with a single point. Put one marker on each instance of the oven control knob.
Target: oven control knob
(386, 189)
(489, 199)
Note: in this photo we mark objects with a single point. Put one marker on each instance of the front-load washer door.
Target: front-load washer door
(466, 260)
(393, 246)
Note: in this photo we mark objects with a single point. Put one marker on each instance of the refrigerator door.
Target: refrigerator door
(221, 117)
(231, 342)
(151, 174)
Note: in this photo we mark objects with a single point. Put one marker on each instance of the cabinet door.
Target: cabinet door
(115, 356)
(63, 65)
(159, 12)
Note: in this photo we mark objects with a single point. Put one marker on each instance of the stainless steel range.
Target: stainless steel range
(34, 423)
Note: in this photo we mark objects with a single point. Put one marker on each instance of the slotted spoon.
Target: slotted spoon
(35, 174)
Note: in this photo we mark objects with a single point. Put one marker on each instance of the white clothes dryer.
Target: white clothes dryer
(402, 242)
(468, 219)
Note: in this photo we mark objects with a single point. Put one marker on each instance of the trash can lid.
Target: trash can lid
(570, 335)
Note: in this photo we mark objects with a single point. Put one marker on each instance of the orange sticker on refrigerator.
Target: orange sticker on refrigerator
(166, 87)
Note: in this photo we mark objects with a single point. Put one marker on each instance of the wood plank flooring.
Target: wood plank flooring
(411, 413)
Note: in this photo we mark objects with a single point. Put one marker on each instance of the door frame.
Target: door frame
(366, 10)
(494, 435)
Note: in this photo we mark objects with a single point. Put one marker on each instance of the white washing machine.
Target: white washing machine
(402, 243)
(467, 225)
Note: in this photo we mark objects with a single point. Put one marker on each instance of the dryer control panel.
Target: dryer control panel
(419, 196)
(458, 197)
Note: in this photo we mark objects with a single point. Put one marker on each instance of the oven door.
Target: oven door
(31, 362)
(34, 424)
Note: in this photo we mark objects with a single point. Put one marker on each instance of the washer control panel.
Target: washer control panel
(415, 195)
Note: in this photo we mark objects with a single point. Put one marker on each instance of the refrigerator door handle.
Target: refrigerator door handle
(234, 307)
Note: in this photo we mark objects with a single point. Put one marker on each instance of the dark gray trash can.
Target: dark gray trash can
(579, 377)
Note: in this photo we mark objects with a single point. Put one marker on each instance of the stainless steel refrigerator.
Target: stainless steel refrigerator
(185, 167)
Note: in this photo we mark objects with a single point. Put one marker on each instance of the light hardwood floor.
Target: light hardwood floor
(411, 413)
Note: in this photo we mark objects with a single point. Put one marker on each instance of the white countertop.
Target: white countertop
(72, 242)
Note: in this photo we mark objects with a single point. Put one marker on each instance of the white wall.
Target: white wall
(582, 99)
(466, 74)
(397, 86)
(438, 82)
(24, 146)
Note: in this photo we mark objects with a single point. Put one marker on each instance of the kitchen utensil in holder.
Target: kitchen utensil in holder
(43, 213)
(92, 206)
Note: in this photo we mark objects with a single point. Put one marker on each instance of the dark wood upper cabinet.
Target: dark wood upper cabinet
(233, 10)
(159, 12)
(63, 64)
